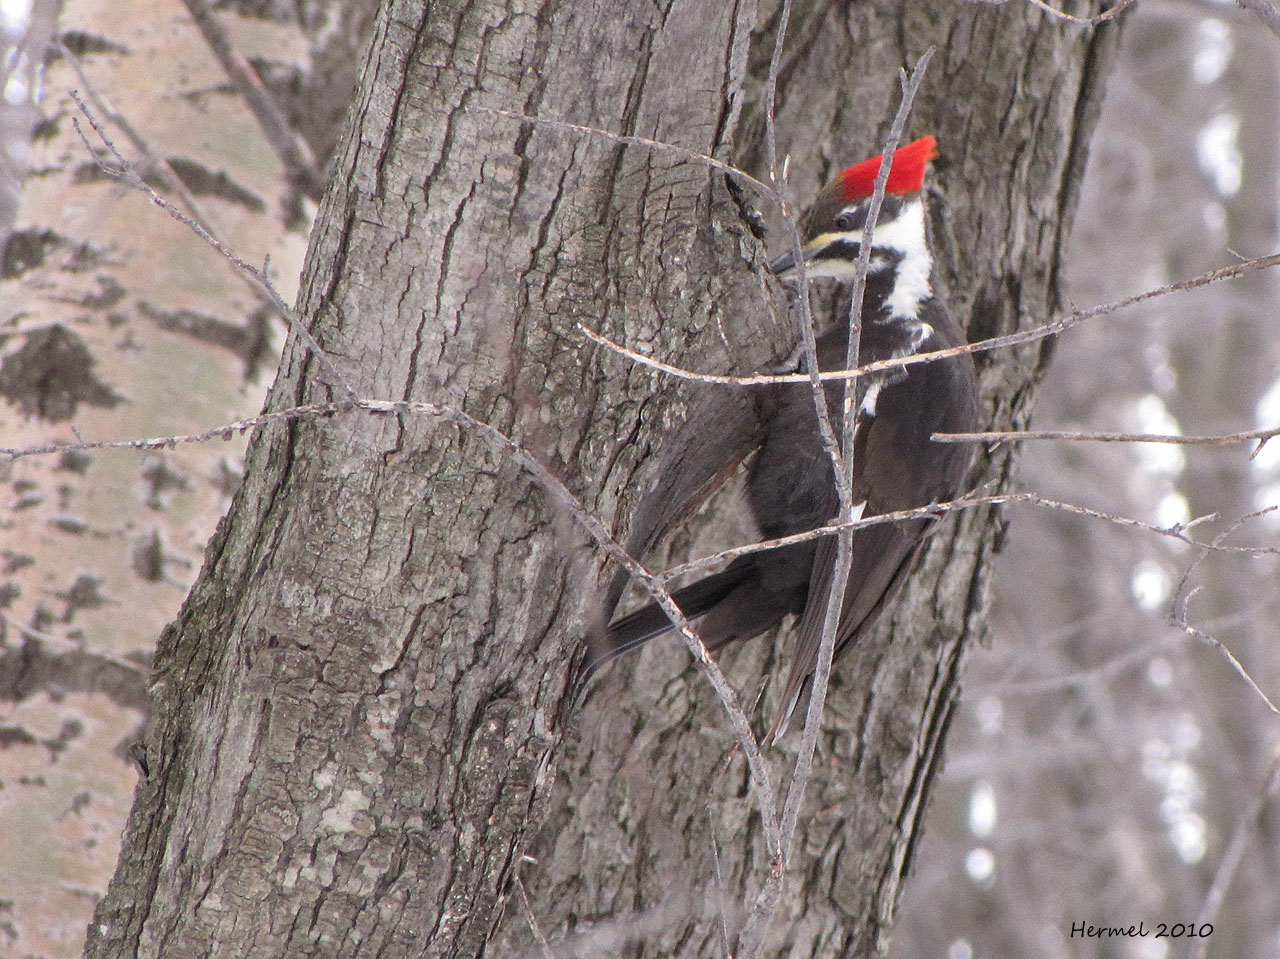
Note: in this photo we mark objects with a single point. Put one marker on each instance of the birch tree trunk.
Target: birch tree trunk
(119, 322)
(360, 735)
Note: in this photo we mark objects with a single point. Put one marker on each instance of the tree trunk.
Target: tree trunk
(359, 728)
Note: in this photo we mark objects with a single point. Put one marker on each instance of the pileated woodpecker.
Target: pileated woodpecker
(790, 482)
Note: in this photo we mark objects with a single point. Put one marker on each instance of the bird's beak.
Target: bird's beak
(784, 266)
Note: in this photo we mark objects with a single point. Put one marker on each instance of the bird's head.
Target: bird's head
(831, 229)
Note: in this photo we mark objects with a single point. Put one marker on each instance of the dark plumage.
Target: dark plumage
(790, 485)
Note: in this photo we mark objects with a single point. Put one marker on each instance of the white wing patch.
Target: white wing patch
(869, 398)
(919, 334)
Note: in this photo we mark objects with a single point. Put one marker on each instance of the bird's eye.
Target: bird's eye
(844, 221)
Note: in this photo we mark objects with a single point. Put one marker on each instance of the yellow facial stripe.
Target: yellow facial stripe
(824, 239)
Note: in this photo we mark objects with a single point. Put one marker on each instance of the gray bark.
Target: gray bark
(360, 722)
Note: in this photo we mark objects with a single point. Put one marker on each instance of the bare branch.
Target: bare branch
(536, 927)
(764, 189)
(999, 436)
(128, 174)
(1265, 11)
(803, 312)
(62, 646)
(763, 910)
(154, 161)
(562, 496)
(1177, 532)
(225, 432)
(723, 926)
(228, 430)
(803, 317)
(757, 379)
(770, 90)
(760, 777)
(1110, 669)
(1103, 17)
(844, 482)
(1179, 605)
(551, 484)
(653, 583)
(981, 346)
(293, 150)
(1180, 619)
(1235, 850)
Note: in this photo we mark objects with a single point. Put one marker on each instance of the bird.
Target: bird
(790, 483)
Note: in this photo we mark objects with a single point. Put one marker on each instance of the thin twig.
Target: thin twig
(65, 647)
(658, 146)
(844, 558)
(1235, 850)
(1265, 11)
(1181, 601)
(532, 919)
(910, 85)
(733, 552)
(127, 173)
(803, 313)
(293, 150)
(770, 90)
(981, 346)
(1110, 669)
(1178, 531)
(1103, 17)
(803, 316)
(1217, 645)
(765, 907)
(1016, 436)
(551, 484)
(154, 161)
(228, 431)
(760, 778)
(723, 928)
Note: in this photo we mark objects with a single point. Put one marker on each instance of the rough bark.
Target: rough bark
(355, 710)
(358, 714)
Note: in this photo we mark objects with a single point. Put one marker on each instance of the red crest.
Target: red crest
(905, 176)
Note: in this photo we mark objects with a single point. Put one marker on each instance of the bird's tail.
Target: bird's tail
(650, 622)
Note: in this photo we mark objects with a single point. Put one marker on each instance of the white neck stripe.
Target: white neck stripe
(905, 235)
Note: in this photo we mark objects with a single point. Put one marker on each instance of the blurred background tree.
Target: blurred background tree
(1102, 759)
